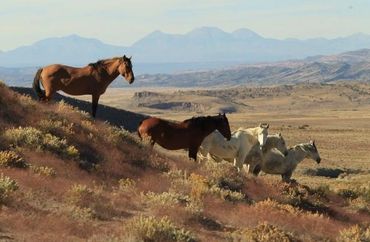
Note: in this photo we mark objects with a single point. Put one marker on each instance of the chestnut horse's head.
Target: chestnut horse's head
(223, 126)
(125, 69)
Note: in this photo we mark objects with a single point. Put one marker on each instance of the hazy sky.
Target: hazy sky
(122, 22)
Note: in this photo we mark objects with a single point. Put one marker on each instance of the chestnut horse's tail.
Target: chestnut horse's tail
(138, 130)
(36, 85)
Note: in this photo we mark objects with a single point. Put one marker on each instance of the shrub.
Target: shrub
(227, 194)
(224, 175)
(12, 159)
(348, 194)
(44, 171)
(152, 229)
(354, 234)
(125, 185)
(262, 233)
(79, 213)
(55, 127)
(165, 198)
(81, 196)
(90, 201)
(269, 203)
(7, 186)
(35, 139)
(116, 135)
(199, 186)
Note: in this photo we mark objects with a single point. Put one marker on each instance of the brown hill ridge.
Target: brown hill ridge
(66, 177)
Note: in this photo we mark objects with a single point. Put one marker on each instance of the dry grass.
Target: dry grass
(117, 189)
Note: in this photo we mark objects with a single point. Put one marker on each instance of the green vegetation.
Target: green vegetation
(152, 229)
(33, 138)
(7, 186)
(10, 158)
(263, 233)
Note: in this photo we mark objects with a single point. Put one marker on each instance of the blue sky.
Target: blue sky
(122, 22)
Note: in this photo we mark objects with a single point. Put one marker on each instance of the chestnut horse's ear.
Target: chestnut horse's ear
(130, 57)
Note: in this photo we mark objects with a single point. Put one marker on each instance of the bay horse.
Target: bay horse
(237, 148)
(274, 162)
(187, 134)
(92, 79)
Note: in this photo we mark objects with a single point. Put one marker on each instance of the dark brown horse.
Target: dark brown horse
(187, 134)
(92, 79)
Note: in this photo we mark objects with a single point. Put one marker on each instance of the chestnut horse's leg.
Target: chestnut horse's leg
(193, 152)
(95, 100)
(48, 94)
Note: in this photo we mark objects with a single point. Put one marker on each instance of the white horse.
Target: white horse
(255, 156)
(274, 162)
(237, 148)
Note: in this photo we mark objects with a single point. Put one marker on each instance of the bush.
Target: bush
(44, 171)
(55, 127)
(224, 175)
(116, 135)
(348, 194)
(12, 159)
(125, 185)
(152, 229)
(263, 233)
(7, 186)
(81, 196)
(227, 194)
(165, 198)
(35, 139)
(354, 234)
(82, 213)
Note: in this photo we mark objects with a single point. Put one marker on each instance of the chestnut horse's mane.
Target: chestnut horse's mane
(100, 63)
(198, 120)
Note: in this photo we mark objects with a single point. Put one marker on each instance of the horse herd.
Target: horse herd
(209, 137)
(252, 149)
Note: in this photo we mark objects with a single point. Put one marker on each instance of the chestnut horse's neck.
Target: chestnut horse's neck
(209, 126)
(108, 69)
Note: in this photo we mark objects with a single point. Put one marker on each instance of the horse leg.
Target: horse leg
(95, 100)
(239, 160)
(286, 176)
(48, 94)
(257, 170)
(193, 153)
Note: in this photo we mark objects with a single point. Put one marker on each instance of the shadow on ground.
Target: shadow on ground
(119, 117)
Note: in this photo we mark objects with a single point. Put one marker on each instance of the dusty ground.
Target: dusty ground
(336, 116)
(102, 194)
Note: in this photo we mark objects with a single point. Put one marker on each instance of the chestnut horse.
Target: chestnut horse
(187, 134)
(92, 79)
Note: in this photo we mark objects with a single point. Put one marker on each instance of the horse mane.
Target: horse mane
(100, 63)
(197, 120)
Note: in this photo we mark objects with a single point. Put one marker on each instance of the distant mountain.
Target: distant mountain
(73, 50)
(158, 52)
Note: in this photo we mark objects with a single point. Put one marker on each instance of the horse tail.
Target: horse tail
(138, 130)
(36, 84)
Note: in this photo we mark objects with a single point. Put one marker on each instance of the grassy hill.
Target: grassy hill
(67, 177)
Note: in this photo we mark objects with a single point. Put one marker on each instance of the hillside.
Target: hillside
(66, 177)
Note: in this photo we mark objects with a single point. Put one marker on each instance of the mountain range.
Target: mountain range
(201, 48)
